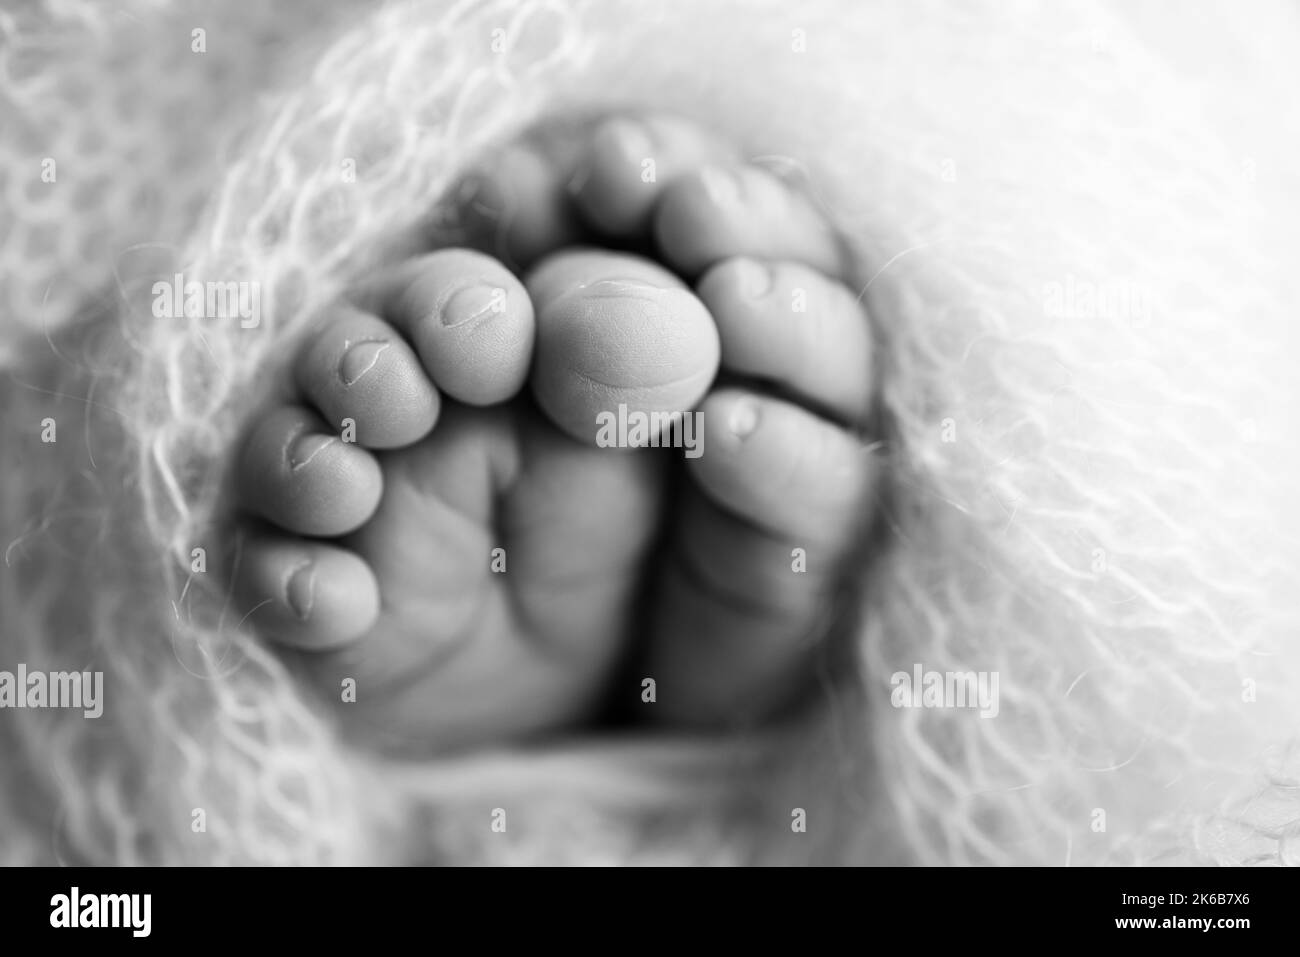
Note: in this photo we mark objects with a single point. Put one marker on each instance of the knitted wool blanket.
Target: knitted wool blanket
(1075, 228)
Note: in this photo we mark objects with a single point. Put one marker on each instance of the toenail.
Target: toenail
(722, 188)
(359, 358)
(306, 447)
(472, 302)
(481, 194)
(300, 590)
(753, 278)
(743, 419)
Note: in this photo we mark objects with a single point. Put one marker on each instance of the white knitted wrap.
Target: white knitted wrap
(1087, 500)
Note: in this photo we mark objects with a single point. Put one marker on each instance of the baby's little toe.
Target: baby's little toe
(631, 162)
(303, 477)
(303, 594)
(366, 381)
(719, 211)
(515, 205)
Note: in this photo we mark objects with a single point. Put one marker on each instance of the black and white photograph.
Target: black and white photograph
(626, 433)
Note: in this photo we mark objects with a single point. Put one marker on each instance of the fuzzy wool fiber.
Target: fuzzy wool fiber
(1075, 225)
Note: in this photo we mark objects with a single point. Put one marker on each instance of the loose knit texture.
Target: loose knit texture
(1075, 232)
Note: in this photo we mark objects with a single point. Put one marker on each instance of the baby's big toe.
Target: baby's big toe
(617, 334)
(781, 467)
(777, 497)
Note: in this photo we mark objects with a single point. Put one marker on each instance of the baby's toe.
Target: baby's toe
(793, 327)
(631, 161)
(617, 336)
(359, 368)
(468, 317)
(516, 206)
(718, 657)
(300, 475)
(775, 506)
(305, 595)
(717, 212)
(780, 467)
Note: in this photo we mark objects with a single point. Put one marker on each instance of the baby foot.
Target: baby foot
(408, 452)
(466, 555)
(761, 527)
